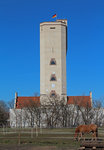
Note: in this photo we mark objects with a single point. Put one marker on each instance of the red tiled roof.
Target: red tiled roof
(83, 101)
(27, 101)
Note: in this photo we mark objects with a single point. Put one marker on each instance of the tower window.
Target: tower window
(53, 61)
(52, 27)
(53, 93)
(53, 77)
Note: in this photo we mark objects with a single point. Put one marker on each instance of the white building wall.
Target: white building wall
(22, 118)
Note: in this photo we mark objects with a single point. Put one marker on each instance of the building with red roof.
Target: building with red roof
(29, 112)
(83, 101)
(53, 48)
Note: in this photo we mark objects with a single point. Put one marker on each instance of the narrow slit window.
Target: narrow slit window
(52, 27)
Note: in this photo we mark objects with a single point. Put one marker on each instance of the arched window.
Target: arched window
(53, 93)
(53, 77)
(53, 61)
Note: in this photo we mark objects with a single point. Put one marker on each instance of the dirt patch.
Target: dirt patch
(30, 147)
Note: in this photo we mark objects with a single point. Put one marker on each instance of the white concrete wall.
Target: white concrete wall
(22, 118)
(53, 45)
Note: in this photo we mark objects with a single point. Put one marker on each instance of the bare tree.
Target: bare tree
(74, 117)
(11, 104)
(98, 112)
(86, 111)
(55, 112)
(33, 111)
(4, 114)
(81, 111)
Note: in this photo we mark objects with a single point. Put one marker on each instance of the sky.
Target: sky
(20, 45)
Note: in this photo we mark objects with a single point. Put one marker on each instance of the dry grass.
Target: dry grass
(31, 147)
(43, 139)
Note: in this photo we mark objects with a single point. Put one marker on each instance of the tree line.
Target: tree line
(58, 114)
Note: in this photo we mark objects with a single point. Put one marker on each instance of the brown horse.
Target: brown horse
(82, 129)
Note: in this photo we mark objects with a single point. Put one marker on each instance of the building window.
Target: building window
(53, 61)
(52, 27)
(53, 77)
(53, 93)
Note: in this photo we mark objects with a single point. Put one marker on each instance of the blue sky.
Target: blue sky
(20, 45)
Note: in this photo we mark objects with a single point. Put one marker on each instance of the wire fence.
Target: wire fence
(30, 134)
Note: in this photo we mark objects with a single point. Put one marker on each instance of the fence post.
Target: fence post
(3, 130)
(19, 136)
(40, 130)
(31, 132)
(36, 131)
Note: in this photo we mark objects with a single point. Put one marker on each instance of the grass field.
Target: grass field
(57, 138)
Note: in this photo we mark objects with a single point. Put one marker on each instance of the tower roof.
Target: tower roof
(57, 22)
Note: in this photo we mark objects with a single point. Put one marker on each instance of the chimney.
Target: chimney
(91, 98)
(16, 95)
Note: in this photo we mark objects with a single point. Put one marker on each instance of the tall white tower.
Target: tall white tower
(53, 47)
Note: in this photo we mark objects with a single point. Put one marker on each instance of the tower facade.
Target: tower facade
(53, 48)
